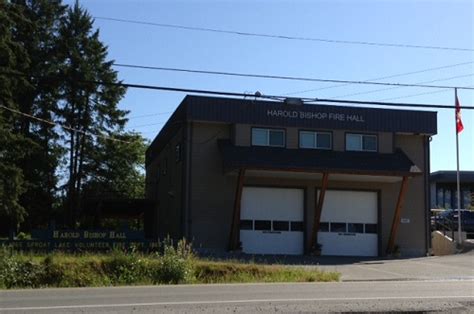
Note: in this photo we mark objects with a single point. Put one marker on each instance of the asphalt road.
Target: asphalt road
(452, 295)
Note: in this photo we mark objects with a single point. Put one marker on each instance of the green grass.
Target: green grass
(235, 272)
(173, 266)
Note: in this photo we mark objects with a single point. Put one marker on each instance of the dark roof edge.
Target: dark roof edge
(277, 113)
(269, 101)
(174, 123)
(449, 176)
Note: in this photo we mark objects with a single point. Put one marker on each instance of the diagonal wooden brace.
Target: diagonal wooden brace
(235, 227)
(397, 215)
(317, 213)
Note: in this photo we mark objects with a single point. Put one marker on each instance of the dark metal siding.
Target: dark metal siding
(229, 110)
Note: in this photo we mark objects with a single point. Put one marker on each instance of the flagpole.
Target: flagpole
(457, 172)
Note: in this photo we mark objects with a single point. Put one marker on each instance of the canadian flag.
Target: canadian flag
(459, 126)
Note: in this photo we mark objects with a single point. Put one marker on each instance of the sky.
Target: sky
(440, 23)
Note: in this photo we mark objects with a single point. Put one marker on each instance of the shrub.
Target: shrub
(175, 265)
(16, 273)
(54, 271)
(124, 268)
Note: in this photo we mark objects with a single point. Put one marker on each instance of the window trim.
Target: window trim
(316, 132)
(361, 135)
(268, 136)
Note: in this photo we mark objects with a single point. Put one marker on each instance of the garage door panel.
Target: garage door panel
(257, 202)
(261, 242)
(349, 223)
(348, 244)
(353, 206)
(271, 220)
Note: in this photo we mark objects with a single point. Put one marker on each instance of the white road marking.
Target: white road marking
(90, 306)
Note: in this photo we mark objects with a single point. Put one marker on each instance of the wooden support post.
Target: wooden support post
(235, 227)
(313, 241)
(397, 215)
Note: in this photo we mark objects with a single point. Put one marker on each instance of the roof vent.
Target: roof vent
(293, 101)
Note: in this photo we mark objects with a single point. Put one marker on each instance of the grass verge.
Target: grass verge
(174, 265)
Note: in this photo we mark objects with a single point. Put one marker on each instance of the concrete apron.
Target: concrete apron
(449, 267)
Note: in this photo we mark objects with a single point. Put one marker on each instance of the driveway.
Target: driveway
(452, 267)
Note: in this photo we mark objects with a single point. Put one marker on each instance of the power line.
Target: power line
(144, 125)
(261, 96)
(419, 94)
(299, 38)
(279, 77)
(391, 88)
(61, 125)
(308, 100)
(150, 115)
(382, 77)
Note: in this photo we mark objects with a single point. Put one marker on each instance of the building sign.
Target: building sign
(308, 115)
(238, 111)
(87, 234)
(71, 245)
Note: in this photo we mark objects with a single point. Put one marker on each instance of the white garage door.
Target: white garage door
(271, 220)
(349, 224)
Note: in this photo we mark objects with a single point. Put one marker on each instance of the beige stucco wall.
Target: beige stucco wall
(242, 137)
(212, 193)
(412, 236)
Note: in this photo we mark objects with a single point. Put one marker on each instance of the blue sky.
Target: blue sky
(432, 23)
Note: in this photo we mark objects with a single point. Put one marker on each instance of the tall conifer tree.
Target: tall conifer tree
(38, 31)
(13, 145)
(88, 107)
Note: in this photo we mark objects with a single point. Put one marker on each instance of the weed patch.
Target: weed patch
(174, 265)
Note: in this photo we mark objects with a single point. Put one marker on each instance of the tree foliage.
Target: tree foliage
(55, 58)
(38, 31)
(12, 143)
(90, 108)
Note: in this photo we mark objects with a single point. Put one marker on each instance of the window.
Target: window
(164, 167)
(355, 228)
(263, 225)
(268, 137)
(370, 228)
(338, 227)
(281, 225)
(311, 139)
(447, 199)
(246, 224)
(177, 152)
(361, 142)
(324, 227)
(296, 226)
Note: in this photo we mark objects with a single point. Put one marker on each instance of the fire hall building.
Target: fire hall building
(269, 177)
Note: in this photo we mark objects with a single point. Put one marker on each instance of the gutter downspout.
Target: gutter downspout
(427, 195)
